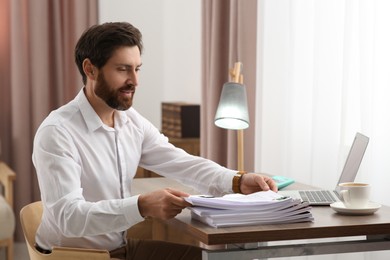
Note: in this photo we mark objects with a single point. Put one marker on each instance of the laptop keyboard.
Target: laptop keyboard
(317, 196)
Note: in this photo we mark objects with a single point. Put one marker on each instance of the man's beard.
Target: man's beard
(111, 96)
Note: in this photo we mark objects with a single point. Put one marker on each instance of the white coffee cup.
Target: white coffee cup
(355, 194)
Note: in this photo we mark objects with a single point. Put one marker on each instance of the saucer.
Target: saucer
(369, 209)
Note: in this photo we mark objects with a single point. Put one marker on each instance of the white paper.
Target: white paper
(234, 201)
(266, 207)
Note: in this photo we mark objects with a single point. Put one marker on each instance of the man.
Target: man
(86, 154)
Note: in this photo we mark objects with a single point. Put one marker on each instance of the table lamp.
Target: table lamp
(232, 111)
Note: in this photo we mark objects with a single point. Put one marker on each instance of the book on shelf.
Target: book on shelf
(180, 119)
(265, 207)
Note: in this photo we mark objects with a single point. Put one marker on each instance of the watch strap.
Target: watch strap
(237, 182)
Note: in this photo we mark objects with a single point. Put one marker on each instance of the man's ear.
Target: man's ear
(89, 69)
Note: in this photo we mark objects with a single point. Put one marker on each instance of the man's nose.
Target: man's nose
(132, 78)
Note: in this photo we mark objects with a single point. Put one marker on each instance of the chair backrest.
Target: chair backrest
(30, 218)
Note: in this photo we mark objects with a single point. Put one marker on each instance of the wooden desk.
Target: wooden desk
(253, 241)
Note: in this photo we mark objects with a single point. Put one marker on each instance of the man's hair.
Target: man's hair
(99, 42)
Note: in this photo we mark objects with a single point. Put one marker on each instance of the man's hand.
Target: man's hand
(163, 204)
(252, 182)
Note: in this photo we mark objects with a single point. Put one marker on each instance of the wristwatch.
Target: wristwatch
(237, 181)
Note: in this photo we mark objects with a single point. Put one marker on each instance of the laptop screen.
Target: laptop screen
(354, 159)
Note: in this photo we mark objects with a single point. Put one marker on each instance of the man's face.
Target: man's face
(118, 78)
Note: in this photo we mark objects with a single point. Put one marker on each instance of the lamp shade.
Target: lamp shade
(232, 112)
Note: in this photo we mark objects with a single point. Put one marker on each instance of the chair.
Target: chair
(30, 217)
(7, 217)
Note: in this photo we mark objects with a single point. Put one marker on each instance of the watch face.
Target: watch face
(241, 173)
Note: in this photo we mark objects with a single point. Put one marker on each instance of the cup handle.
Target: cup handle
(344, 195)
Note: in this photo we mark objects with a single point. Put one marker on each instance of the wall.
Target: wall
(171, 61)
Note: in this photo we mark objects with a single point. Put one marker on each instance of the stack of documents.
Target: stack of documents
(264, 207)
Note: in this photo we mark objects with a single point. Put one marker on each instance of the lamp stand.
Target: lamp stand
(237, 77)
(240, 150)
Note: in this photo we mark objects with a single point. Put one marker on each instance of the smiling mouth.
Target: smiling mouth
(127, 91)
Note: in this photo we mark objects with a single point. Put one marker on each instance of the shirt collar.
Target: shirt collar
(92, 119)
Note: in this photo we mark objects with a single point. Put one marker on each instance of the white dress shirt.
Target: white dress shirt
(85, 170)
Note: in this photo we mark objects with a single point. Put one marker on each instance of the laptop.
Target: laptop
(351, 167)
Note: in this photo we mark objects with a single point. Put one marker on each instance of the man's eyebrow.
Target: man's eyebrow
(127, 65)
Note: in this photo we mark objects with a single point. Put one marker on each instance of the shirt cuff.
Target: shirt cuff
(131, 211)
(228, 180)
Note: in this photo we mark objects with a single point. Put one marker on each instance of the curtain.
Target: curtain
(325, 75)
(39, 76)
(228, 36)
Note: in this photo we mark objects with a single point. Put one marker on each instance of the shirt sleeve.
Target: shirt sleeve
(165, 159)
(59, 169)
